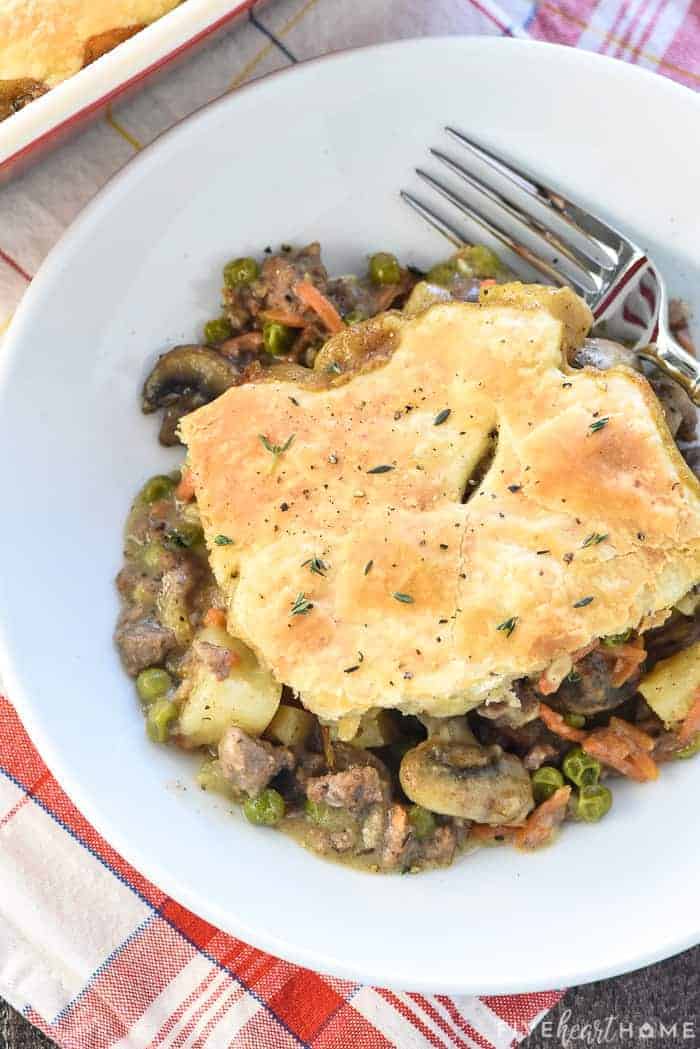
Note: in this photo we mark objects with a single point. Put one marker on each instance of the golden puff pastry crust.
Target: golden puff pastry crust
(586, 521)
(46, 41)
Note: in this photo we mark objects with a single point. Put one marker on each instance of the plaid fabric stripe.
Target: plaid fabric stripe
(663, 35)
(151, 973)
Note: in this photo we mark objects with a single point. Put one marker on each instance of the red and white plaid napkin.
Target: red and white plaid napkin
(96, 956)
(90, 951)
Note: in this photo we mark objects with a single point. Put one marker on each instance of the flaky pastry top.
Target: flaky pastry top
(586, 520)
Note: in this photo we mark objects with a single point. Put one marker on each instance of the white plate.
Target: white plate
(318, 152)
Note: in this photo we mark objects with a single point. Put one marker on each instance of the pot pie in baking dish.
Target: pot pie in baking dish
(429, 577)
(43, 42)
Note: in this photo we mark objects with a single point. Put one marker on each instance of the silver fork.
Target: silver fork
(617, 279)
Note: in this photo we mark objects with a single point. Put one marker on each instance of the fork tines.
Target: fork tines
(586, 254)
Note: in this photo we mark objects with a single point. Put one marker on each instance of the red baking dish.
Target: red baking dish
(52, 117)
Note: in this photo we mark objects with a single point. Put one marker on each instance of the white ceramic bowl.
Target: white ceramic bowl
(318, 152)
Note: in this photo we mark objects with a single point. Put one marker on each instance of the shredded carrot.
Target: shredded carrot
(486, 834)
(691, 723)
(292, 320)
(556, 724)
(185, 489)
(214, 617)
(542, 823)
(627, 658)
(316, 301)
(625, 749)
(638, 737)
(489, 282)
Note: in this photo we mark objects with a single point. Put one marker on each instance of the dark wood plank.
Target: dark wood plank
(16, 1033)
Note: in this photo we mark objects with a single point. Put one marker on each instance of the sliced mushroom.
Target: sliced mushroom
(681, 414)
(590, 689)
(603, 354)
(185, 378)
(450, 730)
(168, 434)
(467, 780)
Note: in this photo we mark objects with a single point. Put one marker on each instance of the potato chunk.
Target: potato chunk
(247, 697)
(291, 726)
(670, 688)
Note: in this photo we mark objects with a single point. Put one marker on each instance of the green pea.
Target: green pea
(153, 683)
(266, 810)
(617, 639)
(184, 535)
(240, 271)
(479, 261)
(277, 338)
(384, 268)
(442, 274)
(691, 750)
(158, 487)
(422, 821)
(581, 768)
(154, 557)
(593, 802)
(575, 720)
(159, 718)
(217, 330)
(354, 317)
(545, 781)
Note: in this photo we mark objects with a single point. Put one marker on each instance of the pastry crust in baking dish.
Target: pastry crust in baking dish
(43, 42)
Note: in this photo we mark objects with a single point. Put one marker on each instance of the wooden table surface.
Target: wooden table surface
(666, 994)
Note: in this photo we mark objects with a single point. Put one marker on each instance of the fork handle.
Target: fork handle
(671, 358)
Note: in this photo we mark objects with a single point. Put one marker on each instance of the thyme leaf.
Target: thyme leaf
(316, 565)
(593, 539)
(508, 625)
(301, 605)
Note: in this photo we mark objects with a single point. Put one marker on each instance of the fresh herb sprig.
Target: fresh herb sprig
(594, 539)
(301, 606)
(508, 625)
(276, 449)
(316, 565)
